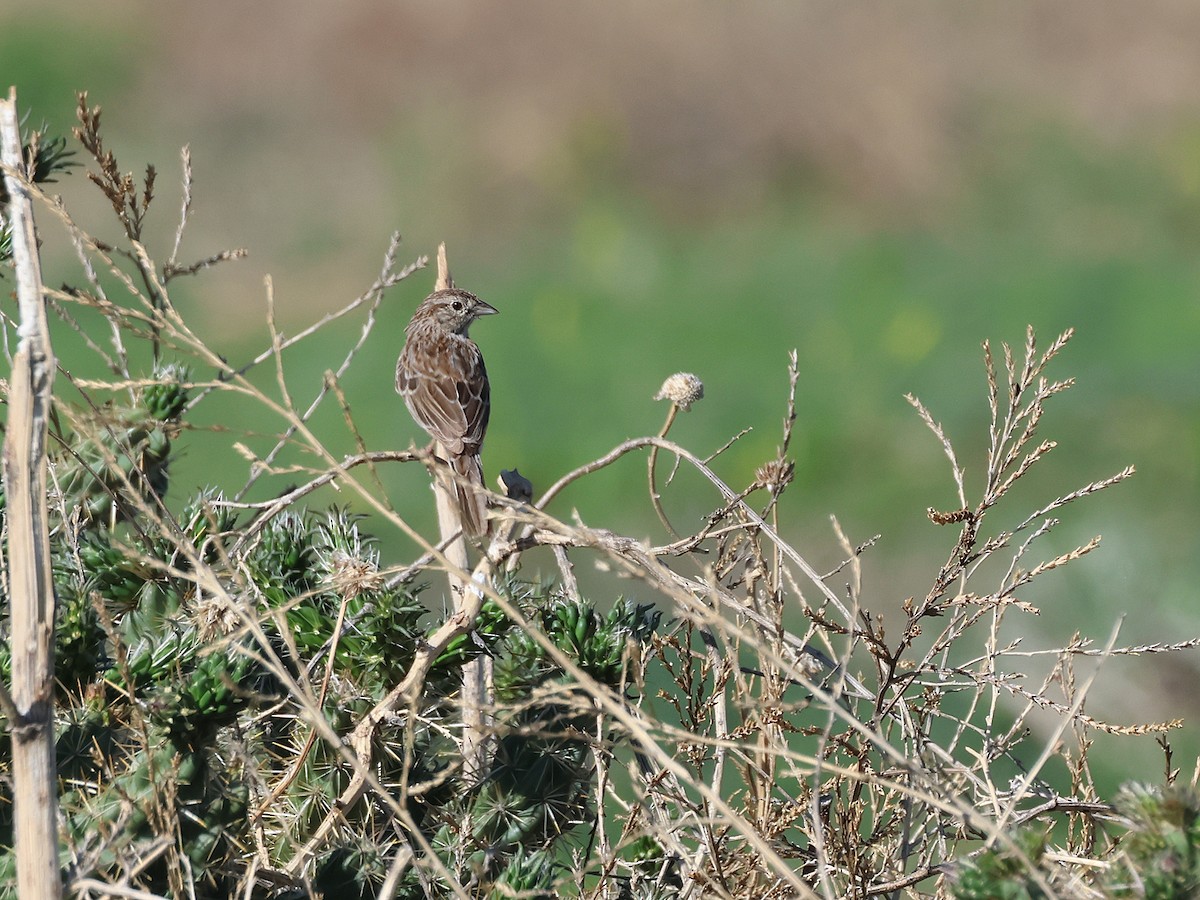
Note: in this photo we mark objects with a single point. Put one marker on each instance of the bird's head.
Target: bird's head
(454, 309)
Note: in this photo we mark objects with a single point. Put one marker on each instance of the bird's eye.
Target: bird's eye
(457, 304)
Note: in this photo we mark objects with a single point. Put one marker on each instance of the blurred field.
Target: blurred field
(647, 188)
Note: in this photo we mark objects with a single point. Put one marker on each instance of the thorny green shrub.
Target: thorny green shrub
(1158, 855)
(257, 697)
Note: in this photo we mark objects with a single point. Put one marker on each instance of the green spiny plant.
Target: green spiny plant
(1004, 874)
(1160, 855)
(118, 461)
(46, 156)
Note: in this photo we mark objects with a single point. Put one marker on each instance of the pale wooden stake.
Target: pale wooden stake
(477, 694)
(31, 585)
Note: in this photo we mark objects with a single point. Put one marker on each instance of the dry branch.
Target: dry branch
(31, 585)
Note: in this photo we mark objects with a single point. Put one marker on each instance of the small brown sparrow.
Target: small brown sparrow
(441, 376)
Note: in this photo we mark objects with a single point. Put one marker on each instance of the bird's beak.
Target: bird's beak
(483, 308)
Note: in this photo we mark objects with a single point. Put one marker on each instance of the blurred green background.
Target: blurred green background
(645, 188)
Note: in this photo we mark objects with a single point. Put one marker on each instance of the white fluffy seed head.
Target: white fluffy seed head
(683, 389)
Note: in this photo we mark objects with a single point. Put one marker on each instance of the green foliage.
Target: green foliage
(79, 639)
(490, 626)
(210, 695)
(117, 464)
(597, 643)
(1157, 854)
(164, 399)
(354, 871)
(528, 874)
(1162, 850)
(1003, 874)
(46, 157)
(282, 564)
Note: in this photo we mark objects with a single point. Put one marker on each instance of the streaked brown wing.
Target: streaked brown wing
(444, 385)
(434, 405)
(474, 397)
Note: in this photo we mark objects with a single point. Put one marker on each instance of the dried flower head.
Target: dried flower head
(215, 616)
(775, 475)
(683, 389)
(351, 575)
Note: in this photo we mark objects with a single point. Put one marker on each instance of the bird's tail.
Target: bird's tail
(472, 504)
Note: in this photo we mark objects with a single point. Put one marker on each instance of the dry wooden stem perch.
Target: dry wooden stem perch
(31, 585)
(476, 694)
